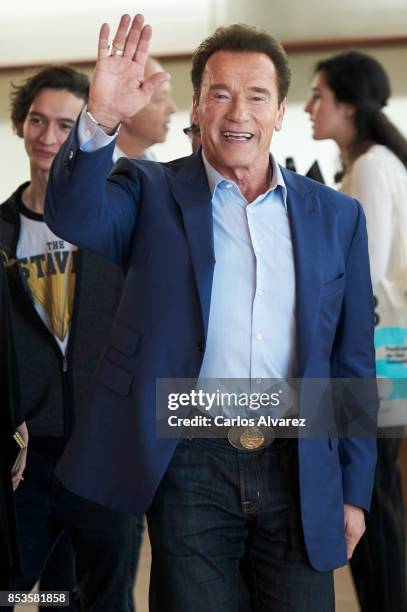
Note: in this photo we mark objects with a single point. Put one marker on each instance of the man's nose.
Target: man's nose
(172, 107)
(238, 110)
(48, 134)
(308, 106)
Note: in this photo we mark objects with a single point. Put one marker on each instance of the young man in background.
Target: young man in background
(63, 299)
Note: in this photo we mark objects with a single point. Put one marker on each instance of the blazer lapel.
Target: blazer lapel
(305, 223)
(190, 189)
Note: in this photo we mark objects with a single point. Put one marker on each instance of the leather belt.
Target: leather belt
(247, 438)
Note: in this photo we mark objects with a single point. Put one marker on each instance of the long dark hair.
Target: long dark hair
(360, 80)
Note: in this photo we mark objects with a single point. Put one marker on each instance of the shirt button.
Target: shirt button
(260, 292)
(87, 132)
(229, 185)
(258, 250)
(259, 336)
(259, 381)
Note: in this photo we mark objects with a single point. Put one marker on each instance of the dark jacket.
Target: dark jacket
(9, 419)
(53, 388)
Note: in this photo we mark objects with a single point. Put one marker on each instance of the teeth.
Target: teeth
(238, 135)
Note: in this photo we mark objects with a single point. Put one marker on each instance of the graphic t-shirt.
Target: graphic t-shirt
(47, 265)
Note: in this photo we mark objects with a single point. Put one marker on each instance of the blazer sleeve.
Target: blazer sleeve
(89, 208)
(353, 361)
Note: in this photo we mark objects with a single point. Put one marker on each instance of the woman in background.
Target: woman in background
(348, 94)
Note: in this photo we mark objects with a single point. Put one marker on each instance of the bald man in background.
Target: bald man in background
(149, 126)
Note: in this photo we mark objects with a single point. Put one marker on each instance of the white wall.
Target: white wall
(37, 31)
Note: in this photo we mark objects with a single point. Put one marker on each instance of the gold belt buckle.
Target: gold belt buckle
(249, 438)
(252, 439)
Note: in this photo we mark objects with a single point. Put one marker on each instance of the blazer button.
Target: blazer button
(201, 346)
(69, 159)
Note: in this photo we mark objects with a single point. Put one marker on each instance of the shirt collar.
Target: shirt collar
(214, 178)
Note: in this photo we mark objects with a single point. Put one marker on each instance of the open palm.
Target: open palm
(117, 89)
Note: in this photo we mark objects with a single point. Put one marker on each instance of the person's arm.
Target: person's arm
(372, 188)
(353, 358)
(87, 208)
(81, 205)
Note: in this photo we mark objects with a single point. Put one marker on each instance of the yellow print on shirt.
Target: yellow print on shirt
(50, 279)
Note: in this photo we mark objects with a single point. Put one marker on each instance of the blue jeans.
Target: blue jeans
(222, 518)
(103, 540)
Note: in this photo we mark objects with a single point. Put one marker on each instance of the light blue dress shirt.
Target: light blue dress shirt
(91, 137)
(251, 332)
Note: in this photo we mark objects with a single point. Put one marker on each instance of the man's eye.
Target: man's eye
(66, 126)
(36, 120)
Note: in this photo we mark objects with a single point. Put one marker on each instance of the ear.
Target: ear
(350, 110)
(280, 115)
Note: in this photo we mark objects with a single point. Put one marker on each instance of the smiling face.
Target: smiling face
(47, 125)
(238, 111)
(329, 118)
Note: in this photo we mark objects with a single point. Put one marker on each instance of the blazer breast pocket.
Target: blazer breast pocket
(333, 287)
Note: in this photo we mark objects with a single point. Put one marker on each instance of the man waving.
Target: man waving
(238, 269)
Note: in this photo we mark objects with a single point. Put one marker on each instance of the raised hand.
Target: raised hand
(117, 89)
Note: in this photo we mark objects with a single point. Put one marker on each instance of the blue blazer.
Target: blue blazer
(155, 220)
